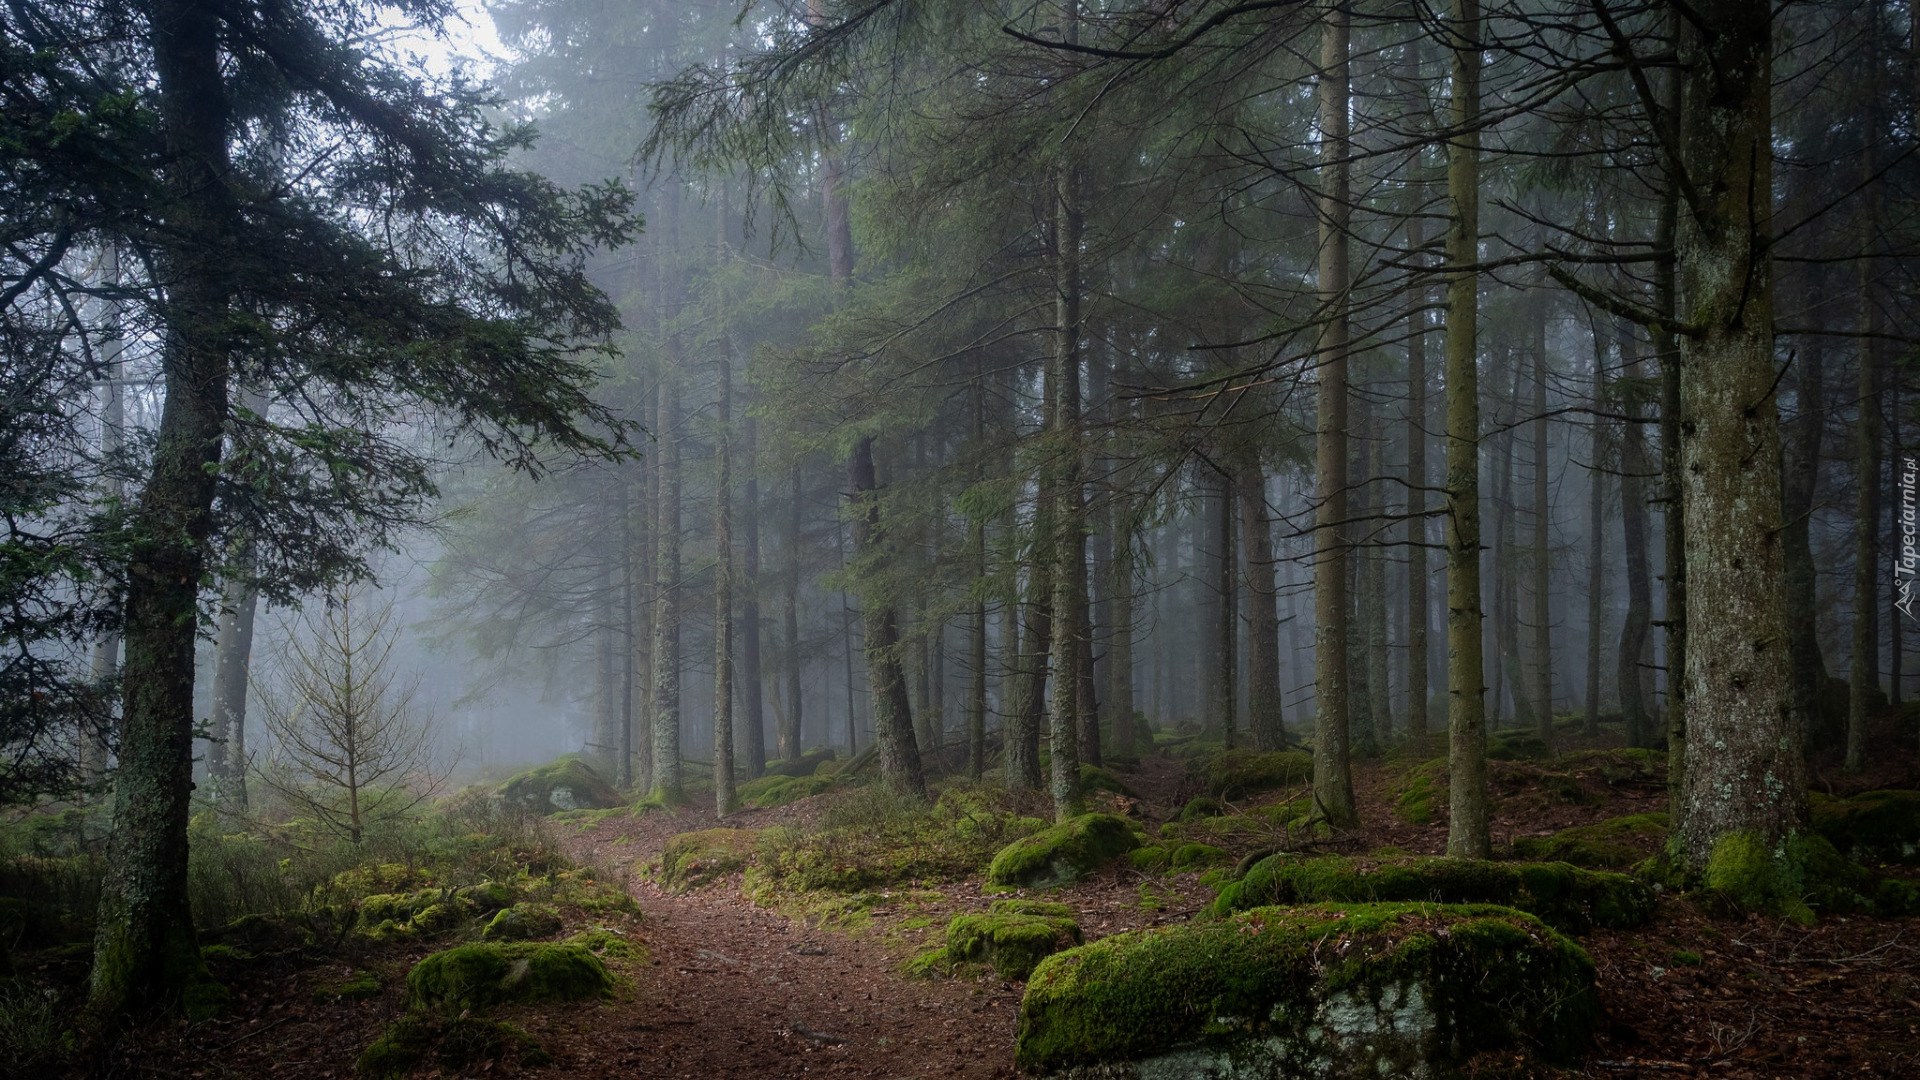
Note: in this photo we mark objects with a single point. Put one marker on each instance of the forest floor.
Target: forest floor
(729, 988)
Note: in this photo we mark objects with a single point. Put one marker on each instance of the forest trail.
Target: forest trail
(738, 990)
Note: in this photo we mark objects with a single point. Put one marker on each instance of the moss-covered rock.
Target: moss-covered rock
(262, 934)
(485, 896)
(1516, 746)
(1613, 844)
(408, 1042)
(1064, 853)
(1874, 826)
(1201, 806)
(355, 987)
(567, 783)
(522, 922)
(604, 942)
(1234, 774)
(475, 976)
(1421, 796)
(1376, 991)
(779, 790)
(1568, 897)
(1175, 856)
(695, 858)
(1094, 778)
(1011, 939)
(806, 764)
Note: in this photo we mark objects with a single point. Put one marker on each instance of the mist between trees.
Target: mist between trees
(988, 387)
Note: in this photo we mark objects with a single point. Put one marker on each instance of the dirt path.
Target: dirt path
(737, 990)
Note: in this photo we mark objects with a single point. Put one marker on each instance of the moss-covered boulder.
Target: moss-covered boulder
(485, 896)
(475, 976)
(1613, 844)
(770, 791)
(1801, 877)
(806, 764)
(1094, 778)
(1234, 774)
(408, 1042)
(1064, 853)
(1365, 991)
(1568, 897)
(1013, 936)
(358, 986)
(567, 783)
(1174, 856)
(1201, 806)
(1872, 827)
(522, 922)
(695, 858)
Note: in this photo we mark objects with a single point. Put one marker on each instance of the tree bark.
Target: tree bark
(900, 766)
(1264, 703)
(1332, 773)
(724, 799)
(792, 732)
(1468, 830)
(1597, 526)
(1069, 521)
(754, 719)
(145, 951)
(1739, 685)
(1419, 688)
(665, 783)
(1542, 533)
(1636, 630)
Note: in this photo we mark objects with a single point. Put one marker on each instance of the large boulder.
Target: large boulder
(475, 976)
(1873, 826)
(1013, 936)
(1364, 992)
(1568, 897)
(564, 784)
(1064, 853)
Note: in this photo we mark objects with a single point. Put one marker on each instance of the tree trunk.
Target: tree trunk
(1069, 548)
(1635, 632)
(1597, 527)
(1264, 708)
(1865, 681)
(754, 719)
(1374, 600)
(233, 650)
(1666, 351)
(1749, 796)
(145, 951)
(900, 765)
(1542, 533)
(1418, 686)
(665, 783)
(1225, 644)
(1468, 831)
(1120, 573)
(791, 732)
(1332, 775)
(724, 799)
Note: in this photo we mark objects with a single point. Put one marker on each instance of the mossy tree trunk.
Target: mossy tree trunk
(977, 625)
(1069, 547)
(1120, 699)
(900, 766)
(1332, 773)
(1468, 832)
(145, 952)
(1739, 683)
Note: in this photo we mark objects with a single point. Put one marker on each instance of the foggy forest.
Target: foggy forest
(1134, 540)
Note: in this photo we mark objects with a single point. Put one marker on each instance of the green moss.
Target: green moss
(931, 964)
(777, 790)
(1568, 897)
(1064, 853)
(485, 897)
(1796, 877)
(522, 922)
(693, 859)
(604, 942)
(1874, 826)
(1516, 746)
(1683, 958)
(1044, 908)
(357, 987)
(471, 976)
(1284, 992)
(865, 843)
(407, 1043)
(806, 764)
(401, 1047)
(1151, 858)
(567, 783)
(1607, 845)
(1011, 942)
(1234, 774)
(1202, 806)
(1094, 778)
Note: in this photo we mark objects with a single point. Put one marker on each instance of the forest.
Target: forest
(1126, 540)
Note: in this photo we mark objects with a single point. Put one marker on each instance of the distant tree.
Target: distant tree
(350, 748)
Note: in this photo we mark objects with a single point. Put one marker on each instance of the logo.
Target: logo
(1908, 561)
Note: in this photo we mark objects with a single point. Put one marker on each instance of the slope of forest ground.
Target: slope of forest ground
(782, 945)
